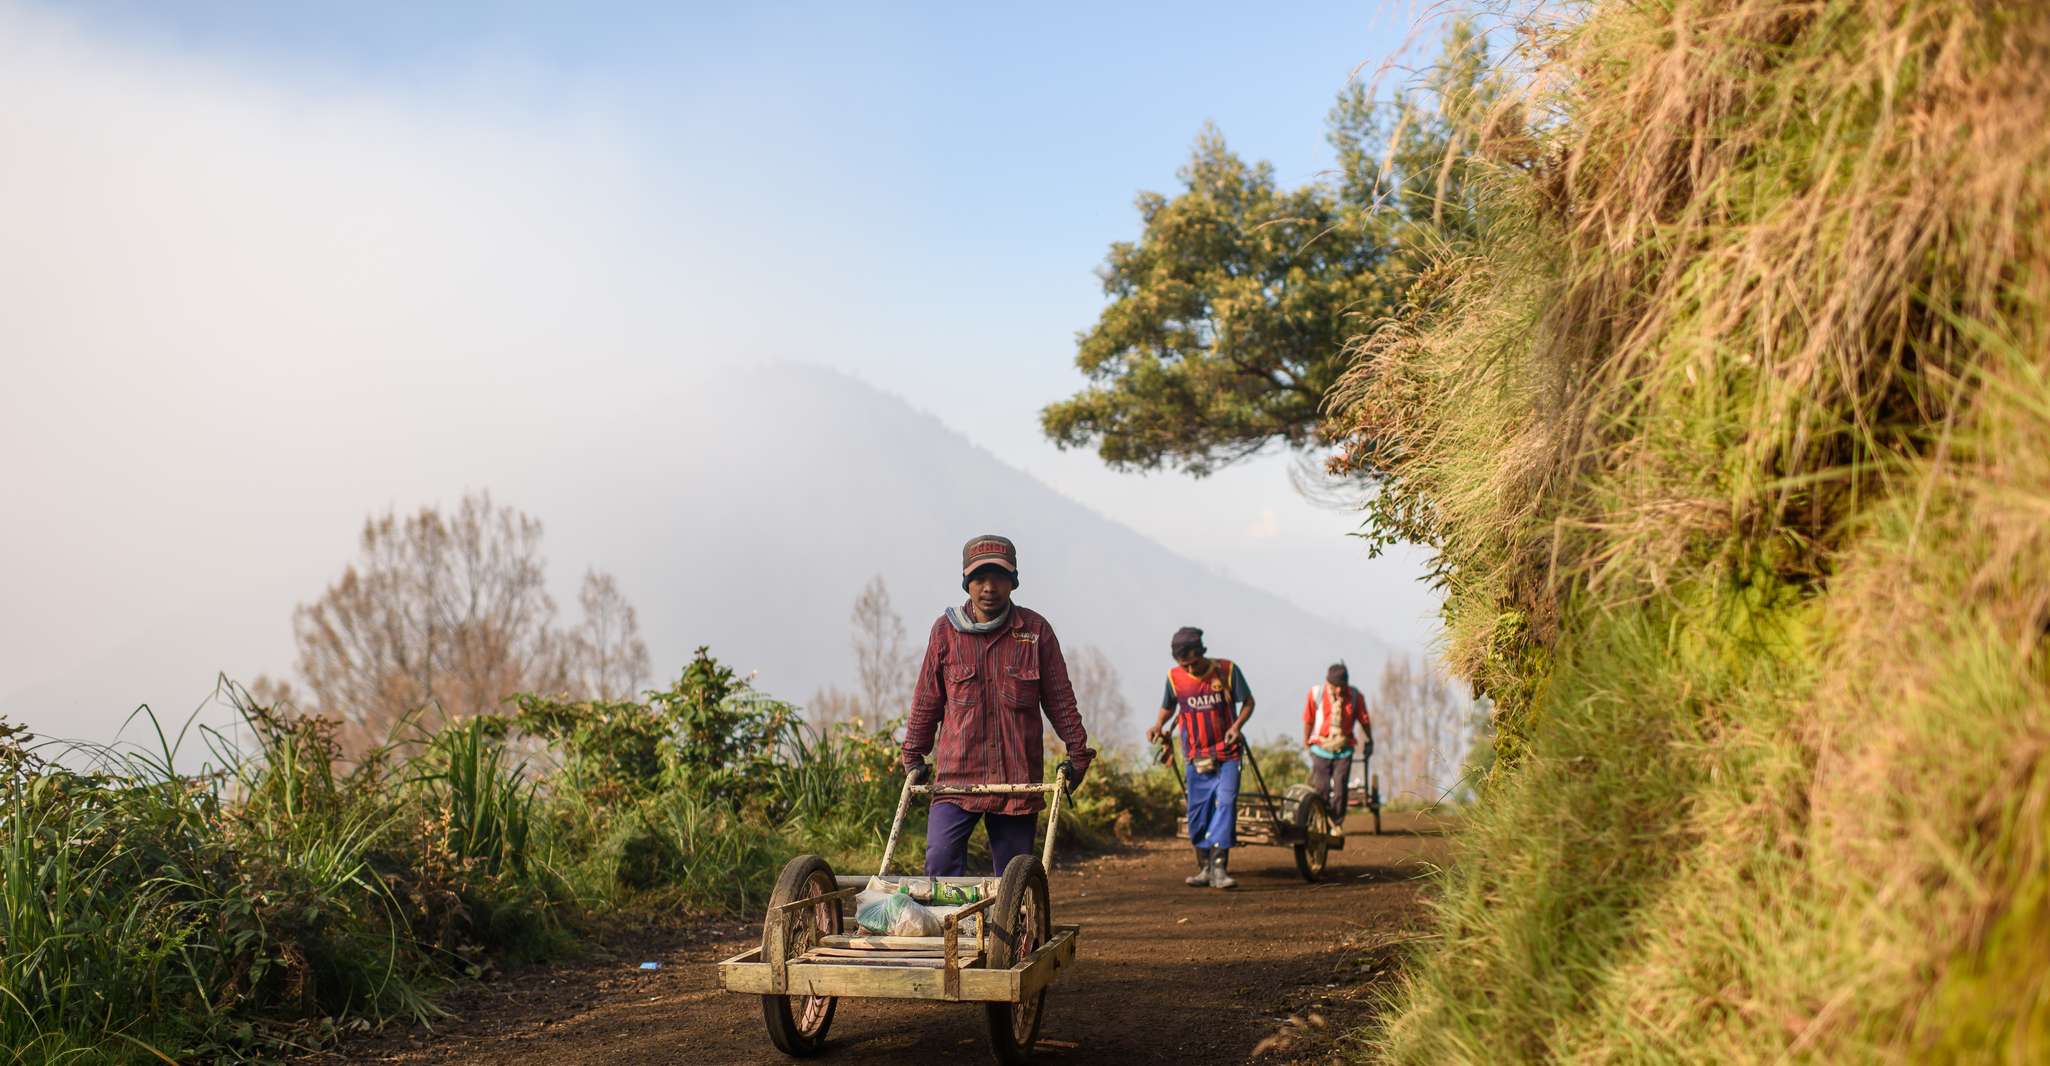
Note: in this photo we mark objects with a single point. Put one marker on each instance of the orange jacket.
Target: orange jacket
(1349, 708)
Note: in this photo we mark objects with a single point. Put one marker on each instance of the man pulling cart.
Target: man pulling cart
(1210, 700)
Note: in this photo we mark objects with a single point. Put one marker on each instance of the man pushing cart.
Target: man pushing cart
(990, 668)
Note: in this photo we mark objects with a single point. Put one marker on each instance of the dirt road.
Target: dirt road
(1276, 970)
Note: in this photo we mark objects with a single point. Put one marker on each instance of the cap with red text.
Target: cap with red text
(988, 550)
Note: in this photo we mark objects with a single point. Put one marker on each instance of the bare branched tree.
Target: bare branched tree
(885, 667)
(1420, 730)
(832, 706)
(272, 693)
(607, 658)
(445, 615)
(1098, 695)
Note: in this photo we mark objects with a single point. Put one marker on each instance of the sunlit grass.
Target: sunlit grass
(1730, 430)
(287, 890)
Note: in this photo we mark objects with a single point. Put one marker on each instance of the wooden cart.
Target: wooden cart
(1299, 818)
(809, 960)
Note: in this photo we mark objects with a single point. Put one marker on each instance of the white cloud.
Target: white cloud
(239, 315)
(240, 312)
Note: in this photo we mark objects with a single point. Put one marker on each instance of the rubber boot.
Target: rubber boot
(1202, 878)
(1220, 875)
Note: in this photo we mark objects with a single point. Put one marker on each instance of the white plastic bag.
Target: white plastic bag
(895, 914)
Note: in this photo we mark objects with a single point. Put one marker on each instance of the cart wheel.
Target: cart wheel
(1313, 829)
(1374, 801)
(1020, 921)
(797, 1024)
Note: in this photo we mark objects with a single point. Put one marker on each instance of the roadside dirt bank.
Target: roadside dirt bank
(1277, 971)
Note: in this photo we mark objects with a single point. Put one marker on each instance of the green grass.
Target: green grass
(1731, 431)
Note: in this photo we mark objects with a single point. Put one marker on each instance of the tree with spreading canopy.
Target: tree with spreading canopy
(1229, 316)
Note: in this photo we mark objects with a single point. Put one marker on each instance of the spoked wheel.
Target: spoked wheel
(1312, 823)
(797, 1023)
(1374, 800)
(1020, 921)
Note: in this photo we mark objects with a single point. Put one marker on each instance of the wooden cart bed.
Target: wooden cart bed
(903, 968)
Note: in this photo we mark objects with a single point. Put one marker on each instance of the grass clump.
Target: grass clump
(1730, 425)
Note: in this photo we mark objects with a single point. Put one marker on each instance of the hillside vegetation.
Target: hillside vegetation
(288, 893)
(1731, 427)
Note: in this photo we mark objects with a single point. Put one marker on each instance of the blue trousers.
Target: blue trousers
(1213, 806)
(946, 838)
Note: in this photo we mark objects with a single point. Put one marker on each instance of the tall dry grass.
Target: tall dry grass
(1731, 428)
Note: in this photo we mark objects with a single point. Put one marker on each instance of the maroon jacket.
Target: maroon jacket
(982, 693)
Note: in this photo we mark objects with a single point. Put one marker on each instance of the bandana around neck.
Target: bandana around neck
(962, 623)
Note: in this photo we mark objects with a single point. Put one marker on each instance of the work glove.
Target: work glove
(918, 772)
(1071, 778)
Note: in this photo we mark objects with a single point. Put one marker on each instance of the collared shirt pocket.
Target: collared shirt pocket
(961, 688)
(1021, 684)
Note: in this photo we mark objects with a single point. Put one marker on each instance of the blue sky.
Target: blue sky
(290, 205)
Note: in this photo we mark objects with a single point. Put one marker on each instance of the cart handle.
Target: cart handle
(983, 790)
(1058, 789)
(1174, 767)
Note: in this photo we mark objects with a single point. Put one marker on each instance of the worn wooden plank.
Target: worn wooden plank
(874, 953)
(977, 985)
(872, 940)
(1045, 964)
(813, 901)
(964, 910)
(885, 982)
(746, 972)
(856, 957)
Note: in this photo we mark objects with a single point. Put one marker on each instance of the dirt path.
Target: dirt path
(1276, 970)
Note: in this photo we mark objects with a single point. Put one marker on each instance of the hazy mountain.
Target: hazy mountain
(795, 485)
(744, 513)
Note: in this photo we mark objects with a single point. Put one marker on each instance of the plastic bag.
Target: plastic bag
(895, 914)
(967, 925)
(918, 888)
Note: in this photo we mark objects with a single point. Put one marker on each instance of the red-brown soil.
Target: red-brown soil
(1277, 971)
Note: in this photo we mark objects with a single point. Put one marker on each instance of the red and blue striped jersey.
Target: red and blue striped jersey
(1205, 706)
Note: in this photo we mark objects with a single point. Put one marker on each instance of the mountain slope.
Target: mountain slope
(790, 487)
(744, 512)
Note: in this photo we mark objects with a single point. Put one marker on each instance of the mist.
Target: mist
(238, 319)
(243, 311)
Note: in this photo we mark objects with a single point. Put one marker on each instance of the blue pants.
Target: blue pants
(1213, 806)
(946, 838)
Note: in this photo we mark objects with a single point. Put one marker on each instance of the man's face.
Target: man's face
(989, 591)
(1192, 660)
